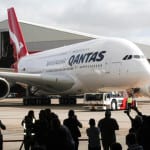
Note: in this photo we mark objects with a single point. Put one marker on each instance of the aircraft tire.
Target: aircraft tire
(114, 105)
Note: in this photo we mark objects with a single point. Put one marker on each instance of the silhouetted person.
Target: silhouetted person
(28, 124)
(48, 114)
(73, 125)
(136, 125)
(107, 127)
(38, 148)
(132, 143)
(116, 146)
(60, 136)
(93, 134)
(139, 113)
(2, 127)
(41, 129)
(145, 134)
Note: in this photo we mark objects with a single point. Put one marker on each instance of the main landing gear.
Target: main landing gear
(36, 100)
(31, 99)
(45, 100)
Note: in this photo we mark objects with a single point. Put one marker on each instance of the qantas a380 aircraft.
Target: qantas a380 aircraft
(104, 64)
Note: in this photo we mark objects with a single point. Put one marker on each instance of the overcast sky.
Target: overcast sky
(128, 19)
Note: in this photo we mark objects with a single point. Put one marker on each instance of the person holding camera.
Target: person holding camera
(136, 123)
(73, 125)
(28, 124)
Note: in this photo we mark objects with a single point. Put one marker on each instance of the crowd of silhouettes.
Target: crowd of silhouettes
(48, 133)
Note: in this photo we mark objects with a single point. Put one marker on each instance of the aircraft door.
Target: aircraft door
(116, 68)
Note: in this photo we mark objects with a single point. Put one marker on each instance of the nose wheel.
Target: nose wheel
(114, 105)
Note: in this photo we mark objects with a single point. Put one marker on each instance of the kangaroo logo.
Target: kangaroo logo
(18, 44)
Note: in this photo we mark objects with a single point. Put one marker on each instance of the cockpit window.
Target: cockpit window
(127, 57)
(130, 57)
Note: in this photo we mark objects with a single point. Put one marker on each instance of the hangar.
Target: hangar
(39, 38)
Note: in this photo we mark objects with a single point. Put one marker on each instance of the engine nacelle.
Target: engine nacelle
(4, 88)
(143, 91)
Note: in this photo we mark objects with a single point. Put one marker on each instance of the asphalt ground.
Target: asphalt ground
(12, 112)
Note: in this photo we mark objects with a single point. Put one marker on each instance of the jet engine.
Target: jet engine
(4, 88)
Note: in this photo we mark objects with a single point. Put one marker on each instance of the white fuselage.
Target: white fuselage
(95, 65)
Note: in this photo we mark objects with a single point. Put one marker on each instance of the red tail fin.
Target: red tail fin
(16, 36)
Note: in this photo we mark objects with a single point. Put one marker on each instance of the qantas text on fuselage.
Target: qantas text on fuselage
(86, 58)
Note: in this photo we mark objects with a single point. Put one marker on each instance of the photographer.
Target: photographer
(136, 122)
(73, 125)
(28, 123)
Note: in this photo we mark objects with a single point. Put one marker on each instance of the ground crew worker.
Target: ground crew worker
(129, 102)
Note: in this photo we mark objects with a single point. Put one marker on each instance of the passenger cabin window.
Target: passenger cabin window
(137, 56)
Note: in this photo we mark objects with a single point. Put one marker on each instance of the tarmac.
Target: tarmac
(12, 112)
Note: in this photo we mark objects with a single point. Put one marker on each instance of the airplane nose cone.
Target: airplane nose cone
(145, 73)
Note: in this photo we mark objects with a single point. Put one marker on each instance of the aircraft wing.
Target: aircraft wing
(7, 69)
(44, 81)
